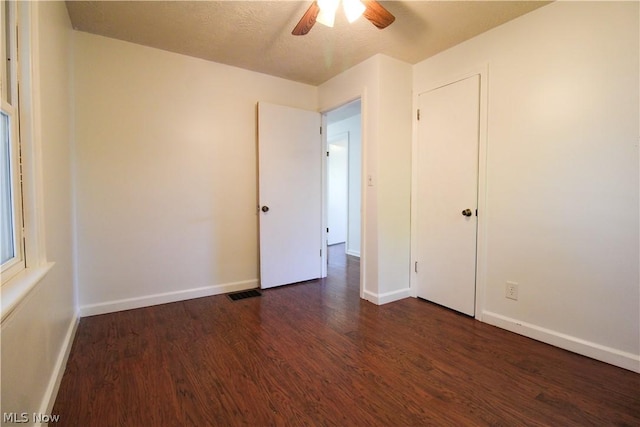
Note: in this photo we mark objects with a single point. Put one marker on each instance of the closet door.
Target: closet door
(448, 136)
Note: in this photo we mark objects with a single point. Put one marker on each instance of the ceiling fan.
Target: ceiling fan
(324, 11)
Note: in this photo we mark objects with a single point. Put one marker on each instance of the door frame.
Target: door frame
(481, 251)
(362, 97)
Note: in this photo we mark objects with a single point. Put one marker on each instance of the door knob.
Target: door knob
(265, 209)
(466, 212)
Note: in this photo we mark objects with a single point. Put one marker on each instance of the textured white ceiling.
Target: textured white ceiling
(256, 35)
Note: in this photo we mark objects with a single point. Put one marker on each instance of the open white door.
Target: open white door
(290, 194)
(447, 192)
(337, 188)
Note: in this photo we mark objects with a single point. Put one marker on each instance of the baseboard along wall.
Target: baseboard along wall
(586, 348)
(166, 297)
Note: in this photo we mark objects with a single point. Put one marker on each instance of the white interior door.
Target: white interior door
(290, 194)
(447, 192)
(337, 188)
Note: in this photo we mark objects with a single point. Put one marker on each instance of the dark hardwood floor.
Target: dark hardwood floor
(314, 354)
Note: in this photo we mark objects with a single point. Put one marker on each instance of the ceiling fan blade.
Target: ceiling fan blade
(308, 19)
(377, 14)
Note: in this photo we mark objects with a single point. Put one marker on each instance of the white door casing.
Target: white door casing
(290, 191)
(447, 184)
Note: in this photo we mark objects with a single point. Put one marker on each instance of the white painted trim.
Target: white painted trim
(413, 222)
(387, 297)
(483, 207)
(577, 345)
(16, 290)
(353, 253)
(58, 370)
(166, 297)
(74, 178)
(364, 152)
(324, 194)
(30, 133)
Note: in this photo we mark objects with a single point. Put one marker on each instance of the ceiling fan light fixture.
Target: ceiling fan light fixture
(324, 11)
(326, 18)
(327, 15)
(353, 9)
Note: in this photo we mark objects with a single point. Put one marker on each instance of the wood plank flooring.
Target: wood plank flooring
(314, 354)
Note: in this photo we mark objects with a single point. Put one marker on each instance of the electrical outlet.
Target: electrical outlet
(511, 290)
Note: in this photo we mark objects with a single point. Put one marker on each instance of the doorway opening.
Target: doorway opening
(343, 184)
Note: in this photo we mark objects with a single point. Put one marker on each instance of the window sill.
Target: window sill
(16, 289)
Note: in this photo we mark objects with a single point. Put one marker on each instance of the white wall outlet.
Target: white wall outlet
(511, 290)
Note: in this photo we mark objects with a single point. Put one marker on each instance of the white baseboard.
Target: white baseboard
(586, 348)
(353, 253)
(49, 398)
(166, 297)
(387, 297)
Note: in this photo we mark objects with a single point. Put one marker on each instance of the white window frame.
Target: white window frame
(13, 290)
(9, 103)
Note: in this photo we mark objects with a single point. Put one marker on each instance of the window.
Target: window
(23, 257)
(11, 220)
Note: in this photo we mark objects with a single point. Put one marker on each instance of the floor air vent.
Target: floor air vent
(244, 294)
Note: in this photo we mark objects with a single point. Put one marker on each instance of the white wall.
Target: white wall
(38, 333)
(166, 177)
(353, 126)
(394, 176)
(384, 86)
(562, 193)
